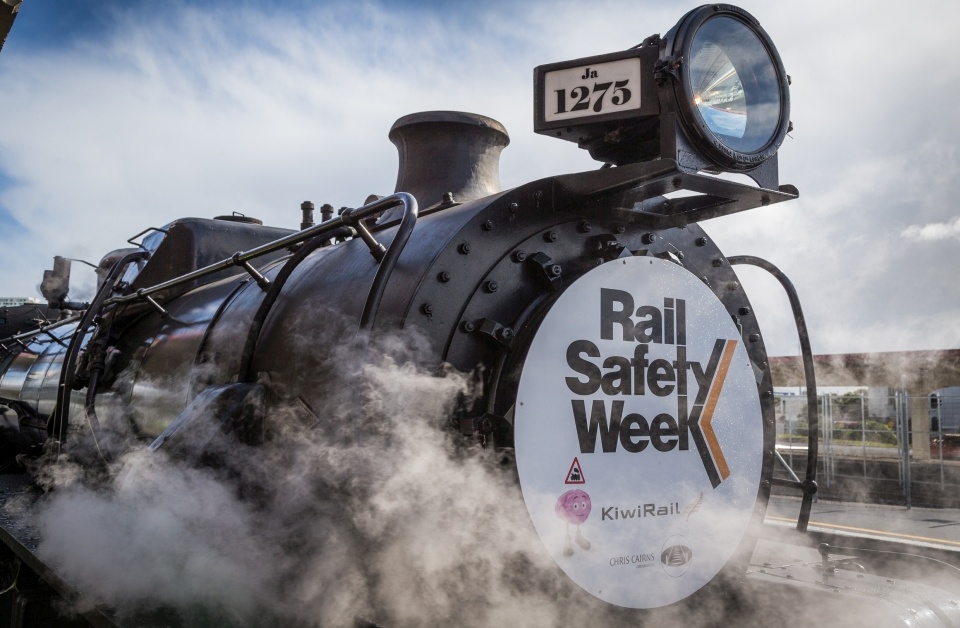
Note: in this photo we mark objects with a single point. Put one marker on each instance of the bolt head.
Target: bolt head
(443, 276)
(468, 326)
(519, 256)
(464, 248)
(488, 225)
(701, 241)
(551, 236)
(491, 286)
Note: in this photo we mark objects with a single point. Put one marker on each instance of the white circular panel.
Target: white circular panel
(639, 434)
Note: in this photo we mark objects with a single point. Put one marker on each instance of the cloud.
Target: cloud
(933, 232)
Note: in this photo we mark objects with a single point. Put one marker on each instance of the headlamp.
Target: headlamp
(711, 94)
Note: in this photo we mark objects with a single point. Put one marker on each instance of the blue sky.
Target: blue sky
(124, 115)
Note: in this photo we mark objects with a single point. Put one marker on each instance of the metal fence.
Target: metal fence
(875, 444)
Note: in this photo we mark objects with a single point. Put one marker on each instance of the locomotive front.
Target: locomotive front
(619, 356)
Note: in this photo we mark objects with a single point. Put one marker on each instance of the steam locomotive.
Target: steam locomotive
(612, 351)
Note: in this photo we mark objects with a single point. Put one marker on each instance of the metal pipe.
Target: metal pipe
(43, 329)
(389, 261)
(385, 269)
(306, 208)
(810, 478)
(350, 215)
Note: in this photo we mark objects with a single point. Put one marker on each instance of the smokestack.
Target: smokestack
(448, 152)
(56, 282)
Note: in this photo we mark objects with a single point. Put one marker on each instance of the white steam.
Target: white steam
(376, 512)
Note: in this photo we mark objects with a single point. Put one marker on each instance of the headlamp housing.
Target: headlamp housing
(712, 94)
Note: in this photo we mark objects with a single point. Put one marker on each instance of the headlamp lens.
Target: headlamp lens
(734, 84)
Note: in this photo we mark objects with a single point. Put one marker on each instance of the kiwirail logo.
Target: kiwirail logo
(637, 388)
(617, 375)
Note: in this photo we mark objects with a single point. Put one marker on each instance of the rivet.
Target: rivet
(488, 225)
(733, 286)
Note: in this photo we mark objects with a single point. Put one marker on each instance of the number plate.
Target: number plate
(591, 90)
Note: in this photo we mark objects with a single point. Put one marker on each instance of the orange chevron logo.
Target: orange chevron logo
(702, 413)
(707, 417)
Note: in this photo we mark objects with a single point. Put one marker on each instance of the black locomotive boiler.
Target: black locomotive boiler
(614, 351)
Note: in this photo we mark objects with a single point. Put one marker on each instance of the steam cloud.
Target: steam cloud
(368, 507)
(376, 511)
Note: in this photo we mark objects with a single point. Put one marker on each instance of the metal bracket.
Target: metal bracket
(605, 246)
(496, 332)
(262, 281)
(485, 424)
(546, 269)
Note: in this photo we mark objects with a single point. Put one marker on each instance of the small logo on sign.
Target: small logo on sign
(575, 474)
(676, 556)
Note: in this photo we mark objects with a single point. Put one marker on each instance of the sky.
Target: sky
(118, 116)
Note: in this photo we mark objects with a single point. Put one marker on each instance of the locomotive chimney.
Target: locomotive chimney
(448, 152)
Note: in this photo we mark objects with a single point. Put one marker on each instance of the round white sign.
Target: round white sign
(639, 433)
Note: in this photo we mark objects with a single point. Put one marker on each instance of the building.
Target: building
(15, 301)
